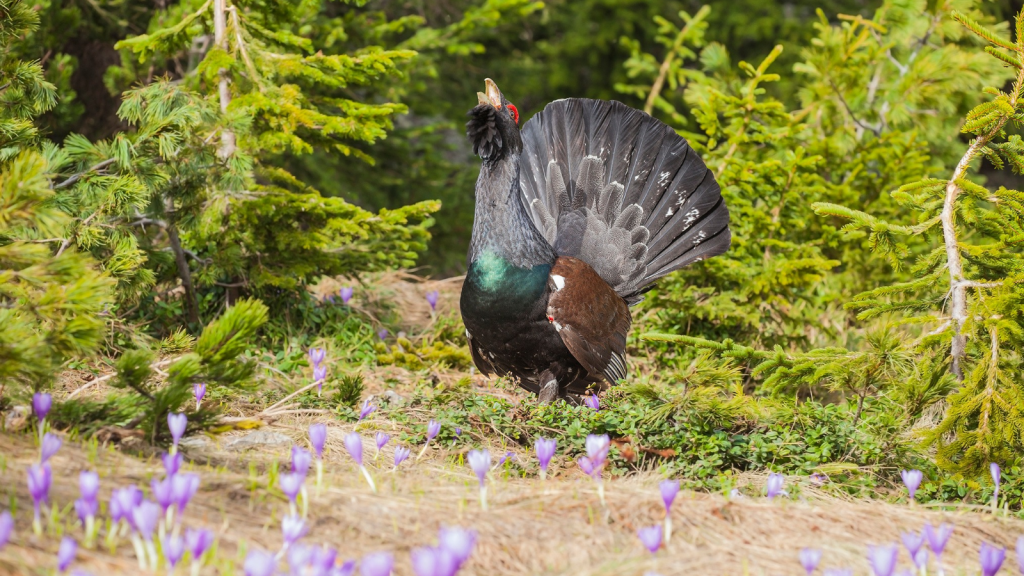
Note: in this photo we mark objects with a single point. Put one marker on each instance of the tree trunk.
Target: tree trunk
(191, 304)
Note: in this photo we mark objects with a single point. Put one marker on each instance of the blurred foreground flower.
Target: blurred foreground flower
(88, 505)
(377, 564)
(809, 559)
(50, 445)
(259, 563)
(346, 294)
(650, 537)
(432, 300)
(991, 559)
(66, 553)
(7, 528)
(883, 559)
(381, 439)
(39, 478)
(996, 477)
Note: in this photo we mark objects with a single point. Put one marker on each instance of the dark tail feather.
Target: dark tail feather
(646, 204)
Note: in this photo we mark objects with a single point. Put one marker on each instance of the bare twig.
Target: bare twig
(76, 177)
(220, 25)
(282, 401)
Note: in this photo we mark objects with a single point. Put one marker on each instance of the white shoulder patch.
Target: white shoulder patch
(559, 281)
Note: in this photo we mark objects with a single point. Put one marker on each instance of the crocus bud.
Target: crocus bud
(318, 437)
(41, 403)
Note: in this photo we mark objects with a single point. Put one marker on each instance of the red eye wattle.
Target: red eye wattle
(515, 112)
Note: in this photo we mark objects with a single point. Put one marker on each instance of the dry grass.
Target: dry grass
(557, 527)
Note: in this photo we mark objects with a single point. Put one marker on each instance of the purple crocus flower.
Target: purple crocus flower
(145, 517)
(177, 423)
(354, 445)
(292, 528)
(938, 537)
(433, 429)
(39, 477)
(458, 542)
(912, 541)
(346, 294)
(428, 561)
(597, 448)
(586, 466)
(6, 528)
(366, 410)
(839, 572)
(319, 375)
(377, 564)
(818, 479)
(650, 537)
(172, 463)
(1020, 551)
(381, 439)
(183, 488)
(912, 480)
(920, 558)
(991, 559)
(122, 502)
(382, 333)
(669, 489)
(66, 553)
(773, 487)
(50, 445)
(480, 462)
(317, 356)
(432, 299)
(318, 437)
(458, 431)
(163, 492)
(174, 549)
(348, 568)
(41, 404)
(883, 559)
(198, 541)
(996, 477)
(592, 401)
(301, 459)
(259, 563)
(545, 449)
(809, 559)
(291, 485)
(401, 455)
(86, 509)
(199, 390)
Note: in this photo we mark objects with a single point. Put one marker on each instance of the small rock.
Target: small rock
(394, 398)
(195, 442)
(258, 438)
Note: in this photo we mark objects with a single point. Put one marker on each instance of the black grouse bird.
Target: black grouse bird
(576, 216)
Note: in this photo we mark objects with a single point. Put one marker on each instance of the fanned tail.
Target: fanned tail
(621, 191)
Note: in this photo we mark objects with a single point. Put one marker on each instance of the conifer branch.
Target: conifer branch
(76, 177)
(666, 65)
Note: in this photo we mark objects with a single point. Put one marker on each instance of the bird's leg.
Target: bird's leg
(548, 387)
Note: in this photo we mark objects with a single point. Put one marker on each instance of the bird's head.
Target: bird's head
(493, 125)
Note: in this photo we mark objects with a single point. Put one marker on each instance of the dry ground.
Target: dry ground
(532, 527)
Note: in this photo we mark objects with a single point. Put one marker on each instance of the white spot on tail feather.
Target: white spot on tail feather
(691, 217)
(669, 213)
(558, 327)
(559, 281)
(700, 237)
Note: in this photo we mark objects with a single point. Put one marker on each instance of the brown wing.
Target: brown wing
(590, 317)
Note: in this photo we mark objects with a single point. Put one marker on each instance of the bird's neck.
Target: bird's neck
(502, 227)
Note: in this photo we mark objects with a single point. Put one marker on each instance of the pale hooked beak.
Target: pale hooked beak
(493, 96)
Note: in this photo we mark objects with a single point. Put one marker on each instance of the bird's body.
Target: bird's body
(575, 217)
